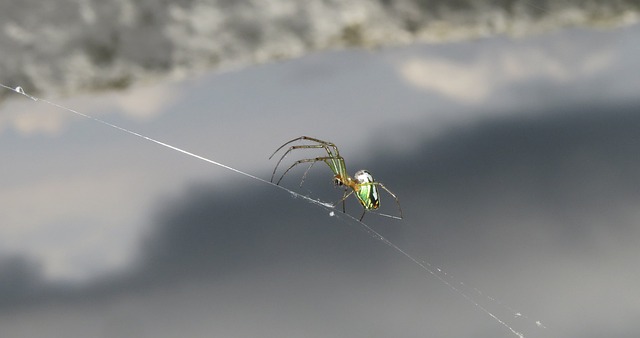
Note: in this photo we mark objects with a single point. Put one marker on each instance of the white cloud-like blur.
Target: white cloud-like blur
(476, 81)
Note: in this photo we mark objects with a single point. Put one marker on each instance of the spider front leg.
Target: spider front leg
(307, 160)
(307, 146)
(324, 144)
(273, 174)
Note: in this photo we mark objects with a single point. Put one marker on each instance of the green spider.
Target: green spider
(362, 183)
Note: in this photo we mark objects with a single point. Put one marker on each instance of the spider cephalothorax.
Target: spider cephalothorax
(362, 184)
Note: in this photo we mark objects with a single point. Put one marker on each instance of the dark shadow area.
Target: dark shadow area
(568, 163)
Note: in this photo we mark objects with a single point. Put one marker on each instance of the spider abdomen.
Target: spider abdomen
(366, 192)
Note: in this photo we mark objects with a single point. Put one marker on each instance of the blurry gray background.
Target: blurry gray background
(509, 131)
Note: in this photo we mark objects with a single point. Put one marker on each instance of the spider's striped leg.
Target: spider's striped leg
(331, 162)
(325, 143)
(330, 148)
(363, 212)
(309, 146)
(306, 160)
(288, 142)
(309, 139)
(322, 144)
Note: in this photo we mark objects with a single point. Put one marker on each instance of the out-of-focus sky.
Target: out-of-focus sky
(514, 161)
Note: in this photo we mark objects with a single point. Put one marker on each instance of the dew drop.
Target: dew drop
(19, 90)
(332, 214)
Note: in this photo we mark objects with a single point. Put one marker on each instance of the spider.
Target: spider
(362, 184)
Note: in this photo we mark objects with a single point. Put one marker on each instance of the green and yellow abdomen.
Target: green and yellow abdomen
(367, 191)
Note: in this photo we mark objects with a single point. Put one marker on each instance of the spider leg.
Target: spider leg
(307, 160)
(344, 198)
(324, 144)
(308, 146)
(390, 193)
(330, 148)
(347, 193)
(282, 146)
(344, 202)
